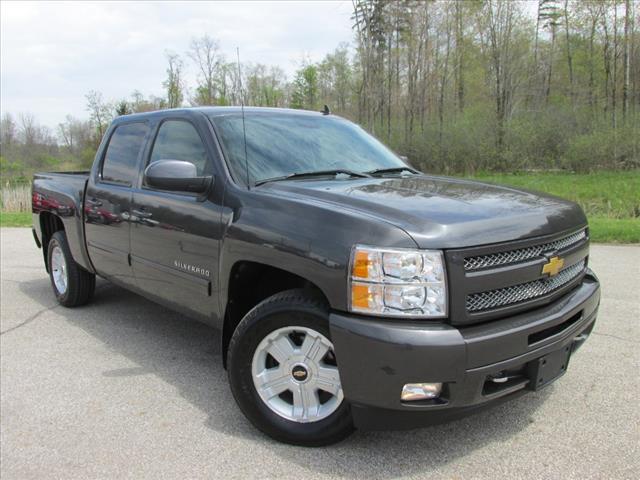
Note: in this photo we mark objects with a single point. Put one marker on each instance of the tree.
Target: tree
(499, 19)
(99, 113)
(77, 138)
(549, 15)
(174, 83)
(305, 88)
(67, 132)
(264, 86)
(334, 79)
(626, 59)
(568, 49)
(204, 52)
(8, 130)
(29, 129)
(141, 104)
(459, 26)
(123, 108)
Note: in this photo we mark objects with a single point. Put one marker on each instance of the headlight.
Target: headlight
(398, 282)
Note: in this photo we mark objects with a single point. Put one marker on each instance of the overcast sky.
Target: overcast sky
(53, 53)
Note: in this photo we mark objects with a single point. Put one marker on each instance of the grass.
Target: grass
(614, 230)
(15, 219)
(611, 200)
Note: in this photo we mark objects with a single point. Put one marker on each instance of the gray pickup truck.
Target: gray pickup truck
(351, 290)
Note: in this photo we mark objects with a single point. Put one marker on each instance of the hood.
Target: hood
(440, 212)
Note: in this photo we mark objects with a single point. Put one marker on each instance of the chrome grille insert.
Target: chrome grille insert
(481, 301)
(521, 254)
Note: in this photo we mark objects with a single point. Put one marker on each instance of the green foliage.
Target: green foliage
(468, 86)
(264, 87)
(305, 88)
(202, 96)
(100, 114)
(174, 83)
(123, 108)
(9, 169)
(604, 147)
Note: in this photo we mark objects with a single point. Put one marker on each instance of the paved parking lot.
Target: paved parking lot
(123, 388)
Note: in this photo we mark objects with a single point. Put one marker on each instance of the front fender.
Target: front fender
(301, 236)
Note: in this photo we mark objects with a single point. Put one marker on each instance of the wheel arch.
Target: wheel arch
(250, 283)
(49, 224)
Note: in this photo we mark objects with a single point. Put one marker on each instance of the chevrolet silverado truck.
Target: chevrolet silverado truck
(350, 289)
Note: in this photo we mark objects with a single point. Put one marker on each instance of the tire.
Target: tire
(303, 414)
(72, 285)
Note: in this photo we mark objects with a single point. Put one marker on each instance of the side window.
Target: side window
(122, 153)
(179, 140)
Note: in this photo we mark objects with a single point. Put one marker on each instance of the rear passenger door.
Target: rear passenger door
(175, 235)
(108, 200)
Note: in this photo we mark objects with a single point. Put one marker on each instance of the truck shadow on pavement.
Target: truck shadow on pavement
(186, 355)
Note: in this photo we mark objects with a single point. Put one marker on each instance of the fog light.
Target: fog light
(420, 391)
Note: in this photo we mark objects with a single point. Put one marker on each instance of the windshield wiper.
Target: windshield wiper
(320, 173)
(378, 171)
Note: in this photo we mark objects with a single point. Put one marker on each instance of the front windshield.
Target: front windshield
(280, 144)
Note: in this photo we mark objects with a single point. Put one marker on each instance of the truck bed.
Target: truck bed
(60, 195)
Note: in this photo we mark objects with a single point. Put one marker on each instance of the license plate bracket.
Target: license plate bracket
(547, 369)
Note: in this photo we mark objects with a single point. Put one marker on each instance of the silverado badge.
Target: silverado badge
(553, 266)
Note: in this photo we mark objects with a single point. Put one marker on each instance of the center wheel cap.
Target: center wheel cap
(299, 373)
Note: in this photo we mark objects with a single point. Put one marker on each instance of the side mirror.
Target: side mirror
(176, 176)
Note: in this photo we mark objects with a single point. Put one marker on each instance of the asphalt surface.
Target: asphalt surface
(123, 388)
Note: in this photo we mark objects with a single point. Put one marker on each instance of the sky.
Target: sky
(53, 53)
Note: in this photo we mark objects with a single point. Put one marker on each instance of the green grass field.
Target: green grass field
(610, 199)
(15, 219)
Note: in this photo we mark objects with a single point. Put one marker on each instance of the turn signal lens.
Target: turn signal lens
(398, 282)
(366, 297)
(361, 264)
(360, 296)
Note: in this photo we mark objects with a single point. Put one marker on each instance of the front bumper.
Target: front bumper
(377, 357)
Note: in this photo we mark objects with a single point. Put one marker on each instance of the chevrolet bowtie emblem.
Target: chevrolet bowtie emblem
(553, 266)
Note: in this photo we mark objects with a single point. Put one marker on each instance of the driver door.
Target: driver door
(175, 235)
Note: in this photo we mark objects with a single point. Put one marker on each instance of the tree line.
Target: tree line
(457, 86)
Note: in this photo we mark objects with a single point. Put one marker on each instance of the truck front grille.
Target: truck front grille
(522, 254)
(478, 302)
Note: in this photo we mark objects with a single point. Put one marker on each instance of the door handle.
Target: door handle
(142, 213)
(94, 201)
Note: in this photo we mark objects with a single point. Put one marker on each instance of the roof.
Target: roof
(212, 111)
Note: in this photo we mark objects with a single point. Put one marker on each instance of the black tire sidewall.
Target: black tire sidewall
(259, 323)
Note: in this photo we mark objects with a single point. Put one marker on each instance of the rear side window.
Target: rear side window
(120, 161)
(179, 140)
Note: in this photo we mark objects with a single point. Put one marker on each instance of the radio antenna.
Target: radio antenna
(244, 127)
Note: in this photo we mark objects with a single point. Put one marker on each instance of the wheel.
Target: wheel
(284, 374)
(72, 284)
